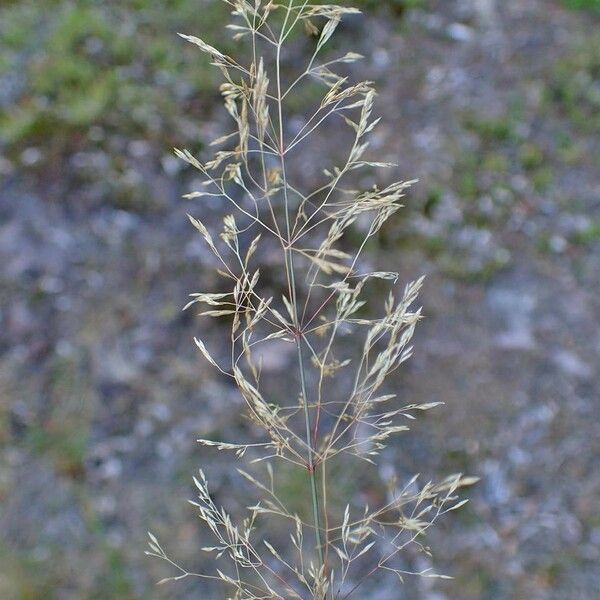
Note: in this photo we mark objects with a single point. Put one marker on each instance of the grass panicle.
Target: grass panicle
(340, 412)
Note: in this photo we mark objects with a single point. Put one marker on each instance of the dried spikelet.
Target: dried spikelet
(220, 60)
(330, 11)
(204, 232)
(259, 96)
(329, 29)
(204, 47)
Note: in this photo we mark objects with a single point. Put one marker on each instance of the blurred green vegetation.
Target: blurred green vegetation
(62, 435)
(79, 73)
(30, 576)
(88, 87)
(590, 234)
(593, 5)
(574, 89)
(114, 65)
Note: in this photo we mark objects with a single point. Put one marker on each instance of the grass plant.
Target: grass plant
(339, 411)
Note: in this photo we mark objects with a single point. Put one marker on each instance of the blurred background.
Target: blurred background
(493, 104)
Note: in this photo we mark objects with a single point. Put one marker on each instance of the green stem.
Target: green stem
(289, 263)
(312, 470)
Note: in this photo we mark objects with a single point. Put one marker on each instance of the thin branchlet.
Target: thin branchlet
(324, 297)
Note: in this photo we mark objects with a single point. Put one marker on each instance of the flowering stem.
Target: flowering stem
(289, 263)
(309, 442)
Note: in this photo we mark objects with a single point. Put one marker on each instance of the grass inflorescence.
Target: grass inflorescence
(339, 413)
